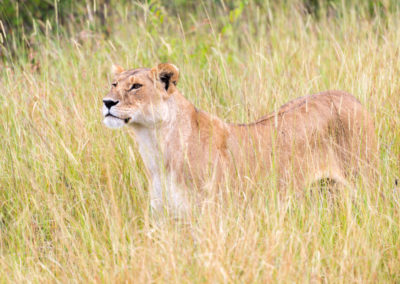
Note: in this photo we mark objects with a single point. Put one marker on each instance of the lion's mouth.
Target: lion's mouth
(126, 120)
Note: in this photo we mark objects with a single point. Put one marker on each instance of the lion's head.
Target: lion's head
(139, 96)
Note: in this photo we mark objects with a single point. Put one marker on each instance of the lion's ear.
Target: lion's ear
(167, 74)
(116, 69)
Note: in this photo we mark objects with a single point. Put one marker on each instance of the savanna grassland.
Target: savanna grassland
(73, 194)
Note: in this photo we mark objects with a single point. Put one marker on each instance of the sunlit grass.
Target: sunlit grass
(73, 194)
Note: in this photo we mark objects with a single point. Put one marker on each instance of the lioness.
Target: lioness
(325, 135)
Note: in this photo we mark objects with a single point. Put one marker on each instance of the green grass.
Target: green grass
(73, 194)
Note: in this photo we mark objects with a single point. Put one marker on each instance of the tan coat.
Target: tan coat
(326, 135)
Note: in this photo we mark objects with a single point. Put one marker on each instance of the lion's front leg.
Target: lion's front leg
(167, 196)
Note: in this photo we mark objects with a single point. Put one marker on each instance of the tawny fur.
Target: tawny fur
(326, 135)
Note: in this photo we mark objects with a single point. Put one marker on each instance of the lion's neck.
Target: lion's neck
(146, 139)
(170, 137)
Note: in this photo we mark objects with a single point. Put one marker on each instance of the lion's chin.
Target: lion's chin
(113, 122)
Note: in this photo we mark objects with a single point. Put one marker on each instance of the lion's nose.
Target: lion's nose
(110, 103)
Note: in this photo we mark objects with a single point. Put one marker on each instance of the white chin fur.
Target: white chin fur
(113, 122)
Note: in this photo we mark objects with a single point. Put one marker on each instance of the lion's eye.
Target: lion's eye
(114, 84)
(135, 86)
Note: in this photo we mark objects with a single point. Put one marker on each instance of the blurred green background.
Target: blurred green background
(22, 19)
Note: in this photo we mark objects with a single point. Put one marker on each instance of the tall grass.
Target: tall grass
(73, 194)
